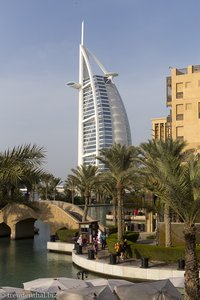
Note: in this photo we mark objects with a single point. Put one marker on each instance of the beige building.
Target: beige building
(183, 98)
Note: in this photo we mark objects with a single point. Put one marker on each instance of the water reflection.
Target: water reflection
(24, 260)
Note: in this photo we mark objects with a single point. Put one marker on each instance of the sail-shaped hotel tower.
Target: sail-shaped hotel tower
(102, 117)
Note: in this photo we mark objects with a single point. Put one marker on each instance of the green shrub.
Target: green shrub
(151, 237)
(131, 236)
(158, 253)
(67, 235)
(153, 252)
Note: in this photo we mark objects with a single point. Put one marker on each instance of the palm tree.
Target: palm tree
(48, 185)
(17, 166)
(109, 185)
(118, 159)
(84, 178)
(54, 182)
(177, 183)
(150, 152)
(45, 185)
(70, 185)
(31, 182)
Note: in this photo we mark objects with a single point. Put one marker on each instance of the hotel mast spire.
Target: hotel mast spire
(82, 32)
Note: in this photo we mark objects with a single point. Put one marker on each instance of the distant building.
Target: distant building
(183, 98)
(102, 117)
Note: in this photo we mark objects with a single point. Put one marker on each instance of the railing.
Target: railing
(181, 71)
(196, 69)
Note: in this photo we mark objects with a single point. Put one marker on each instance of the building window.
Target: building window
(179, 112)
(188, 84)
(179, 90)
(179, 132)
(188, 106)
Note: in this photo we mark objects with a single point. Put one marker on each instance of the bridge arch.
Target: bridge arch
(20, 218)
(25, 228)
(5, 230)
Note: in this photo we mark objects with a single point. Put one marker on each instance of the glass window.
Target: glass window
(179, 112)
(179, 132)
(179, 90)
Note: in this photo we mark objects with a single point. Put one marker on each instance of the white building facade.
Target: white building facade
(102, 117)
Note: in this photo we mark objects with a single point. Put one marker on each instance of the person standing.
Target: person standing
(103, 241)
(80, 240)
(95, 247)
(118, 250)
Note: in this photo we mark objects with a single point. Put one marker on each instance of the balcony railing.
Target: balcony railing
(196, 69)
(181, 71)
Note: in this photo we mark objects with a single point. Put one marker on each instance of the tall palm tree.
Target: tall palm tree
(109, 185)
(118, 159)
(177, 183)
(85, 178)
(150, 152)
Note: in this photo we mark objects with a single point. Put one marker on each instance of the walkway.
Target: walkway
(128, 269)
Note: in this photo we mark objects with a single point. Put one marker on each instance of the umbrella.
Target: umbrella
(178, 282)
(102, 292)
(109, 282)
(158, 290)
(52, 285)
(8, 293)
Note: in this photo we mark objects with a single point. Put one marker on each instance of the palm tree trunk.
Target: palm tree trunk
(46, 192)
(72, 192)
(168, 241)
(119, 213)
(85, 212)
(114, 212)
(192, 291)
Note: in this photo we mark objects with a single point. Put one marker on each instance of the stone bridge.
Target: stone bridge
(17, 220)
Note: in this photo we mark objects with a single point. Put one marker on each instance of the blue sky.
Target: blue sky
(39, 52)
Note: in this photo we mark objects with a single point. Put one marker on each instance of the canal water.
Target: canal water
(28, 259)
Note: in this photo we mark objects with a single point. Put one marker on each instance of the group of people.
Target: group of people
(121, 249)
(100, 239)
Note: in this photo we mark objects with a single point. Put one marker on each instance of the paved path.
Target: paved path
(128, 269)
